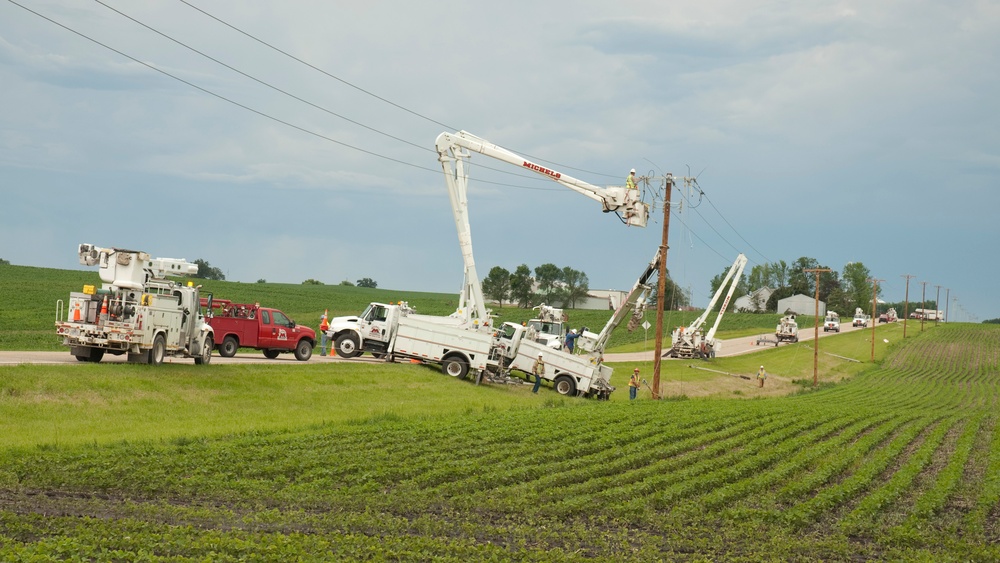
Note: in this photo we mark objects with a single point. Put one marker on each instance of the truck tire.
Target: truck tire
(347, 346)
(455, 367)
(206, 352)
(271, 354)
(229, 346)
(158, 351)
(565, 385)
(303, 350)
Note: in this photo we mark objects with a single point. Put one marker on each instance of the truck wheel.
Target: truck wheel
(347, 346)
(303, 350)
(271, 354)
(455, 367)
(96, 355)
(565, 385)
(206, 352)
(229, 347)
(158, 351)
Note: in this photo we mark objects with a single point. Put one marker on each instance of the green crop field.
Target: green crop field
(895, 460)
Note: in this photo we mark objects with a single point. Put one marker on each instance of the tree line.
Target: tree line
(842, 291)
(564, 287)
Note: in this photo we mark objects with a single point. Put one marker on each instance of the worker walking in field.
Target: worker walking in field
(761, 376)
(633, 385)
(324, 325)
(538, 370)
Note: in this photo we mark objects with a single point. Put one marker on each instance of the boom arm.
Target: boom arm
(638, 292)
(735, 271)
(454, 149)
(132, 268)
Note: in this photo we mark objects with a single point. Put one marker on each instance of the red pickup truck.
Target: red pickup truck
(241, 325)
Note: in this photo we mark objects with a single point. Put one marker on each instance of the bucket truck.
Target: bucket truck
(136, 311)
(691, 341)
(468, 340)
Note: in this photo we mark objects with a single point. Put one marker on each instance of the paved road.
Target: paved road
(731, 347)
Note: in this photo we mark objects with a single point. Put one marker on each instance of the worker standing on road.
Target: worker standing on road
(761, 376)
(630, 181)
(539, 370)
(324, 325)
(633, 385)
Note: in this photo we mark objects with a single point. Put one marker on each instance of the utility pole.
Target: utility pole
(816, 328)
(661, 287)
(906, 303)
(937, 303)
(923, 304)
(947, 302)
(874, 311)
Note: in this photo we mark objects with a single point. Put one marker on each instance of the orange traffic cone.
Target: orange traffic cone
(104, 308)
(76, 312)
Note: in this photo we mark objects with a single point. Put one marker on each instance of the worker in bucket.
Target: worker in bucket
(538, 370)
(761, 376)
(633, 385)
(324, 325)
(630, 181)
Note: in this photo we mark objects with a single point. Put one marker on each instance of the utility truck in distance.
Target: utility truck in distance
(831, 322)
(136, 311)
(244, 325)
(692, 341)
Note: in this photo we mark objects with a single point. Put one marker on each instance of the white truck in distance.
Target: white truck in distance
(860, 318)
(832, 322)
(549, 328)
(136, 311)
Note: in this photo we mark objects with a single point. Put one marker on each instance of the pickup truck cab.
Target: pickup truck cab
(241, 325)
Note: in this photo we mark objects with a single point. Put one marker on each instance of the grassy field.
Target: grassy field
(30, 295)
(896, 459)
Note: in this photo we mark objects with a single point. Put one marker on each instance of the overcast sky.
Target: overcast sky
(841, 131)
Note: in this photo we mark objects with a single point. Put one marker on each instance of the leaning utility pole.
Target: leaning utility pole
(816, 328)
(923, 304)
(874, 311)
(906, 304)
(661, 287)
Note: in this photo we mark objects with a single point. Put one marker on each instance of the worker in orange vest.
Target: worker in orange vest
(324, 325)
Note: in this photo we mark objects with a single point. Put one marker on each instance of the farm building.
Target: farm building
(801, 304)
(603, 299)
(753, 302)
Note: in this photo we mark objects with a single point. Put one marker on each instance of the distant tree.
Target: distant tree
(311, 281)
(4, 262)
(801, 281)
(520, 286)
(261, 280)
(740, 291)
(992, 321)
(347, 283)
(367, 282)
(779, 294)
(857, 287)
(496, 286)
(779, 270)
(839, 302)
(547, 275)
(207, 272)
(576, 286)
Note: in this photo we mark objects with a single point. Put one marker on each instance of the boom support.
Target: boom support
(455, 148)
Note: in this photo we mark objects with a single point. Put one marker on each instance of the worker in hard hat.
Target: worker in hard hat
(761, 376)
(630, 181)
(571, 337)
(633, 385)
(538, 370)
(324, 325)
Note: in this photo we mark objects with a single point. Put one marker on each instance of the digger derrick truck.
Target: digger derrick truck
(692, 341)
(136, 311)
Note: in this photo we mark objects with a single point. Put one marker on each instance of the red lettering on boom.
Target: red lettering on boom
(542, 170)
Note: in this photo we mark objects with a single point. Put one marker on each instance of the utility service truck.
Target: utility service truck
(692, 341)
(136, 311)
(468, 340)
(396, 332)
(246, 325)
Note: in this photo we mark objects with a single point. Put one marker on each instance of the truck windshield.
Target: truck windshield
(546, 327)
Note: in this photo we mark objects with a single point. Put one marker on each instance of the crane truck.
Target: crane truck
(691, 341)
(458, 342)
(136, 311)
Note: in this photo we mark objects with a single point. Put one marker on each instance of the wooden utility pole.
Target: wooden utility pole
(923, 304)
(661, 287)
(816, 328)
(874, 311)
(906, 303)
(947, 302)
(937, 303)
